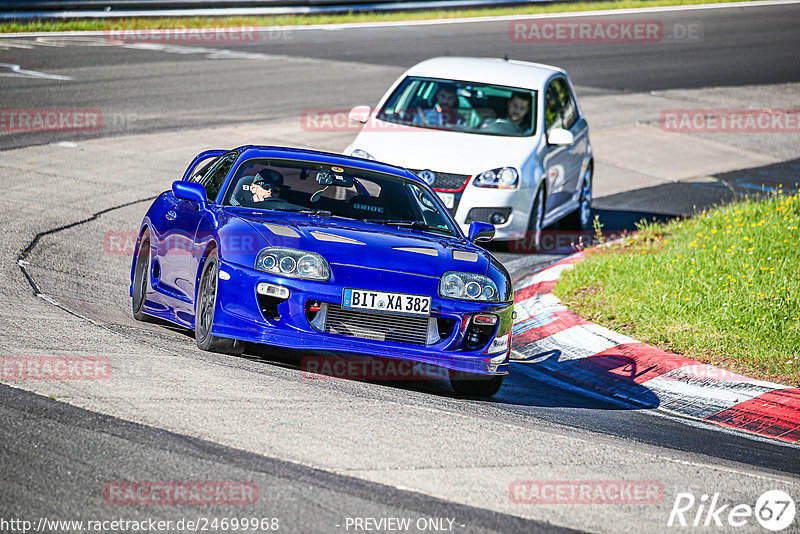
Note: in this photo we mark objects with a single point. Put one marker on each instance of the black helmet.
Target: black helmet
(269, 179)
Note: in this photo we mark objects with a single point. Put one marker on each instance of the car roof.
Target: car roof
(328, 158)
(486, 70)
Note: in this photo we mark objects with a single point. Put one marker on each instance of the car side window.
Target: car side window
(213, 179)
(552, 110)
(202, 168)
(560, 95)
(569, 110)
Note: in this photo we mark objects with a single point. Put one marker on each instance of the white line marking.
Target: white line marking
(217, 53)
(577, 342)
(19, 72)
(688, 391)
(536, 305)
(7, 44)
(547, 275)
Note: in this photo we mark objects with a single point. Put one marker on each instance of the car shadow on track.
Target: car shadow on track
(326, 365)
(611, 375)
(535, 383)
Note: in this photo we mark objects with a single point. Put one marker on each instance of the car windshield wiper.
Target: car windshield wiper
(416, 225)
(324, 213)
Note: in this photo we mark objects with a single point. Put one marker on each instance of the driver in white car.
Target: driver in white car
(442, 113)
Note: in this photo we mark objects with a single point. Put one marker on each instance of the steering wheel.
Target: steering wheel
(501, 126)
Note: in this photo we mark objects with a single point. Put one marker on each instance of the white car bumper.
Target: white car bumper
(479, 203)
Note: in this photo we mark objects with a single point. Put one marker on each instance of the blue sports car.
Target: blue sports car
(317, 251)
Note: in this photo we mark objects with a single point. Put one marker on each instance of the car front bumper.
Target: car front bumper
(519, 201)
(239, 315)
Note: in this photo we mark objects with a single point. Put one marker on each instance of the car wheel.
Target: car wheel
(581, 218)
(141, 276)
(475, 385)
(205, 305)
(534, 235)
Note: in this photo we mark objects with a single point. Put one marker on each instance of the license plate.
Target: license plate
(400, 303)
(448, 199)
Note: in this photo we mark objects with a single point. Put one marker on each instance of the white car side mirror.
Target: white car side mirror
(560, 136)
(360, 114)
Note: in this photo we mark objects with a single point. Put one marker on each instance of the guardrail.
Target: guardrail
(68, 9)
(113, 5)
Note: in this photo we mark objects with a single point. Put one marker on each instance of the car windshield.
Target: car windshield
(336, 191)
(462, 106)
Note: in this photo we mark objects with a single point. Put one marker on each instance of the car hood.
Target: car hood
(442, 151)
(350, 242)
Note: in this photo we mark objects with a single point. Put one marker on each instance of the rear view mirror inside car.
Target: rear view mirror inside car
(333, 178)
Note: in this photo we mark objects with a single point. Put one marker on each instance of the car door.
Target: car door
(562, 163)
(179, 239)
(204, 220)
(577, 125)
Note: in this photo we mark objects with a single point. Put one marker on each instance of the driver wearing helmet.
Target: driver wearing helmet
(251, 192)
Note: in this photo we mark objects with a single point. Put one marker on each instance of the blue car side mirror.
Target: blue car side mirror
(189, 191)
(480, 231)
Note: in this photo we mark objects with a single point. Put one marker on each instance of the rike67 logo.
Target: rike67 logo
(774, 510)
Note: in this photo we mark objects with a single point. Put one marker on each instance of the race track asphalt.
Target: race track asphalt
(320, 451)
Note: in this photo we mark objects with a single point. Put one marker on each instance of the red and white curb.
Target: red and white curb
(563, 344)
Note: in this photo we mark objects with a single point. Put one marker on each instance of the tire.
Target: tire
(581, 218)
(205, 304)
(533, 237)
(475, 385)
(141, 277)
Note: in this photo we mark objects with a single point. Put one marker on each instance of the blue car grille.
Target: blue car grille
(376, 326)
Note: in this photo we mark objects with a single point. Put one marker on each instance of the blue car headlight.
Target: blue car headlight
(502, 178)
(293, 263)
(468, 286)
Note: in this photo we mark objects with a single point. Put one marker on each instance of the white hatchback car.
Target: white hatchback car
(500, 141)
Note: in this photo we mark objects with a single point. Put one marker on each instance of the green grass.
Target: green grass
(292, 20)
(721, 288)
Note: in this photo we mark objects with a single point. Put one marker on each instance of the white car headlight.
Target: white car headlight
(468, 286)
(293, 263)
(363, 154)
(502, 178)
